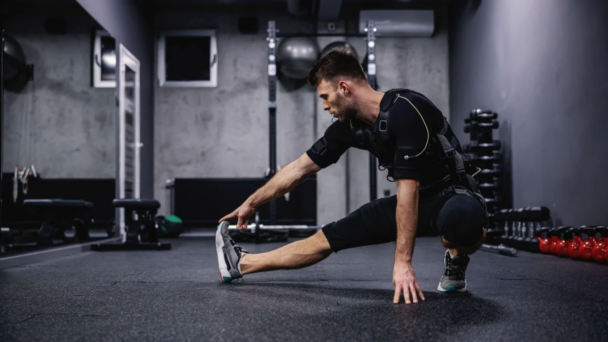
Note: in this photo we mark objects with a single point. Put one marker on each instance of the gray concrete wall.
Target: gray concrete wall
(58, 122)
(542, 66)
(223, 131)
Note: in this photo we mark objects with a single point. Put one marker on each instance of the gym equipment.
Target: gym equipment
(296, 56)
(373, 83)
(140, 226)
(342, 45)
(267, 233)
(502, 249)
(481, 151)
(588, 242)
(169, 226)
(6, 238)
(561, 249)
(599, 250)
(544, 239)
(556, 237)
(575, 244)
(64, 219)
(520, 228)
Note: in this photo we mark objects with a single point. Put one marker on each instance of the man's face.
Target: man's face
(335, 102)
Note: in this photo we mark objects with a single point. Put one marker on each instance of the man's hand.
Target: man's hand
(243, 213)
(404, 280)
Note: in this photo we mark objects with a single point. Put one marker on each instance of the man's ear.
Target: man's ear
(343, 88)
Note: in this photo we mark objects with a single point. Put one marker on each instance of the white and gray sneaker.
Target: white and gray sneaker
(453, 279)
(229, 254)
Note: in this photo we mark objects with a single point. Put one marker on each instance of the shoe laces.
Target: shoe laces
(455, 268)
(237, 248)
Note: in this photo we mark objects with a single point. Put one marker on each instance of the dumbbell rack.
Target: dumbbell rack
(484, 153)
(520, 226)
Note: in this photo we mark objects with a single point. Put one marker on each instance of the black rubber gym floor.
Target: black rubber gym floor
(177, 295)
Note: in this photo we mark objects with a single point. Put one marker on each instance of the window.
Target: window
(104, 60)
(187, 58)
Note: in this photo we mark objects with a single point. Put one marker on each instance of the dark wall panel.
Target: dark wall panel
(542, 66)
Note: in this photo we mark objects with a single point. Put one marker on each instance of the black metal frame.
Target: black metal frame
(371, 78)
(1, 118)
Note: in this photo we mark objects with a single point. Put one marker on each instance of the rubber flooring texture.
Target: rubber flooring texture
(177, 295)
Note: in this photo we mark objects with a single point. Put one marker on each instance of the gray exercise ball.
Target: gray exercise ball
(14, 50)
(335, 45)
(296, 56)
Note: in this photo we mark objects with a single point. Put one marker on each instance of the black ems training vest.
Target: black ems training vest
(440, 161)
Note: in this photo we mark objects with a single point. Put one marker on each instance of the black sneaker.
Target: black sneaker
(229, 254)
(453, 279)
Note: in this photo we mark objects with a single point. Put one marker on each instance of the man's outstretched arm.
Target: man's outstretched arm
(404, 277)
(283, 182)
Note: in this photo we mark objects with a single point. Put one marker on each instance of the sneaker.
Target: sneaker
(229, 254)
(454, 279)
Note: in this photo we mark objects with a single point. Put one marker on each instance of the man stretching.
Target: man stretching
(436, 193)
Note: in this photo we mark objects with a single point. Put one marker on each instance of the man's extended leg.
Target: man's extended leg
(372, 223)
(295, 255)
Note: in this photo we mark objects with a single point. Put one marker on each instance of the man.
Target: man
(409, 135)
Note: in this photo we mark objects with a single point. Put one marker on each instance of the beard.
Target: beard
(344, 110)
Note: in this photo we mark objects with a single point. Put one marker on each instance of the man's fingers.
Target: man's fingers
(420, 292)
(225, 218)
(406, 294)
(397, 293)
(413, 291)
(239, 223)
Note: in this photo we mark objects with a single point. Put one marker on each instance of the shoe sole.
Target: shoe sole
(219, 247)
(451, 288)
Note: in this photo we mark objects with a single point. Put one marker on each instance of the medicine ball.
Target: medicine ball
(334, 45)
(296, 56)
(169, 226)
(14, 50)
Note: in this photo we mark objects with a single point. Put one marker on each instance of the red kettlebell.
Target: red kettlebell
(562, 246)
(556, 237)
(599, 250)
(575, 244)
(543, 237)
(588, 242)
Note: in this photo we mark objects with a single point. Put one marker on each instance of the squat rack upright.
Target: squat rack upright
(272, 95)
(272, 120)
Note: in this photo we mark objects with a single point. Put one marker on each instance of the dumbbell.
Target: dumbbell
(6, 237)
(483, 116)
(523, 234)
(487, 125)
(495, 145)
(491, 172)
(501, 216)
(599, 250)
(532, 229)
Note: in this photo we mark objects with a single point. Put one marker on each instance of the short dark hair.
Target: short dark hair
(337, 62)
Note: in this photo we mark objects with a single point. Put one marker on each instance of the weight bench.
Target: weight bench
(140, 226)
(64, 219)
